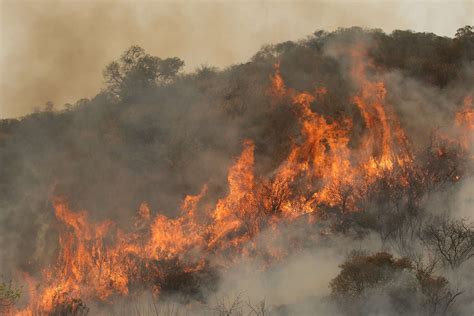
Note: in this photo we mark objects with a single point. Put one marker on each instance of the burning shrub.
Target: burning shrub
(178, 281)
(65, 305)
(9, 295)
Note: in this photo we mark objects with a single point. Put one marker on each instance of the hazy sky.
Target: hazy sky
(56, 50)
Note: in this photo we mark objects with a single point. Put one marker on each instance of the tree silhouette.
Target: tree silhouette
(137, 71)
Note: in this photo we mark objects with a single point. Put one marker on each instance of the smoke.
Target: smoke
(464, 198)
(107, 157)
(298, 284)
(54, 50)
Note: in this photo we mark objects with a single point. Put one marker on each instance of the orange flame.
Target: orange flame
(465, 117)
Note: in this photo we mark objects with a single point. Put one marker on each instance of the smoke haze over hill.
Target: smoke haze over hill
(55, 50)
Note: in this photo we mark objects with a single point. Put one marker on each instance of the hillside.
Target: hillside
(342, 139)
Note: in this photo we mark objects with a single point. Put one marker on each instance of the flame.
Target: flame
(465, 117)
(384, 133)
(330, 169)
(99, 260)
(237, 209)
(465, 124)
(87, 264)
(277, 88)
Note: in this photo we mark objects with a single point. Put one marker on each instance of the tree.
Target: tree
(452, 240)
(466, 31)
(225, 307)
(438, 296)
(361, 272)
(464, 39)
(411, 290)
(137, 71)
